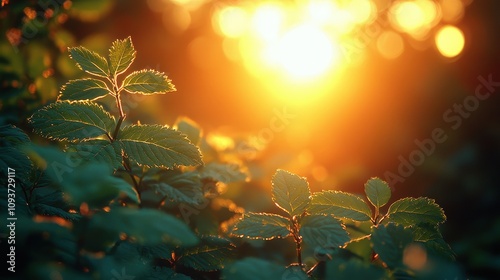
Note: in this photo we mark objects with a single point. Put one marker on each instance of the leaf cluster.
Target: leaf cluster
(118, 193)
(127, 199)
(77, 118)
(331, 223)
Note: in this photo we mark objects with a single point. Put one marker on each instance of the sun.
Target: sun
(275, 38)
(305, 52)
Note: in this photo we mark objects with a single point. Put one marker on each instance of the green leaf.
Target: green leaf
(432, 240)
(253, 268)
(15, 159)
(294, 272)
(121, 56)
(320, 231)
(49, 239)
(90, 61)
(47, 210)
(146, 226)
(49, 196)
(190, 128)
(158, 146)
(12, 136)
(411, 211)
(83, 89)
(124, 189)
(125, 258)
(57, 165)
(223, 172)
(147, 82)
(90, 183)
(188, 183)
(40, 270)
(425, 232)
(389, 243)
(340, 269)
(11, 139)
(361, 248)
(210, 255)
(155, 251)
(440, 248)
(77, 120)
(378, 192)
(21, 206)
(94, 185)
(262, 226)
(123, 264)
(179, 195)
(290, 192)
(161, 272)
(99, 151)
(50, 202)
(341, 205)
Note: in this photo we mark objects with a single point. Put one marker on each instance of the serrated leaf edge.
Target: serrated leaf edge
(163, 75)
(261, 238)
(63, 87)
(30, 120)
(93, 53)
(345, 193)
(430, 200)
(368, 197)
(111, 49)
(198, 163)
(273, 198)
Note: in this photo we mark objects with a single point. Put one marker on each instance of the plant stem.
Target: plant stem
(116, 93)
(297, 238)
(311, 270)
(117, 128)
(299, 251)
(125, 161)
(126, 165)
(375, 216)
(381, 219)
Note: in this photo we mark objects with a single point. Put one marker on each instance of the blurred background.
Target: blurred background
(335, 90)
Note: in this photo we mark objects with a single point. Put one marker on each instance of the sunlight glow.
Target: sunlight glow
(232, 21)
(267, 21)
(408, 16)
(453, 10)
(220, 142)
(390, 44)
(305, 52)
(321, 11)
(416, 18)
(360, 9)
(450, 41)
(343, 22)
(177, 20)
(430, 10)
(190, 4)
(298, 42)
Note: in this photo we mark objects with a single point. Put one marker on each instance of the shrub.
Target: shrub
(116, 200)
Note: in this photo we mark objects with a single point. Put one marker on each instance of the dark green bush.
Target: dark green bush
(122, 200)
